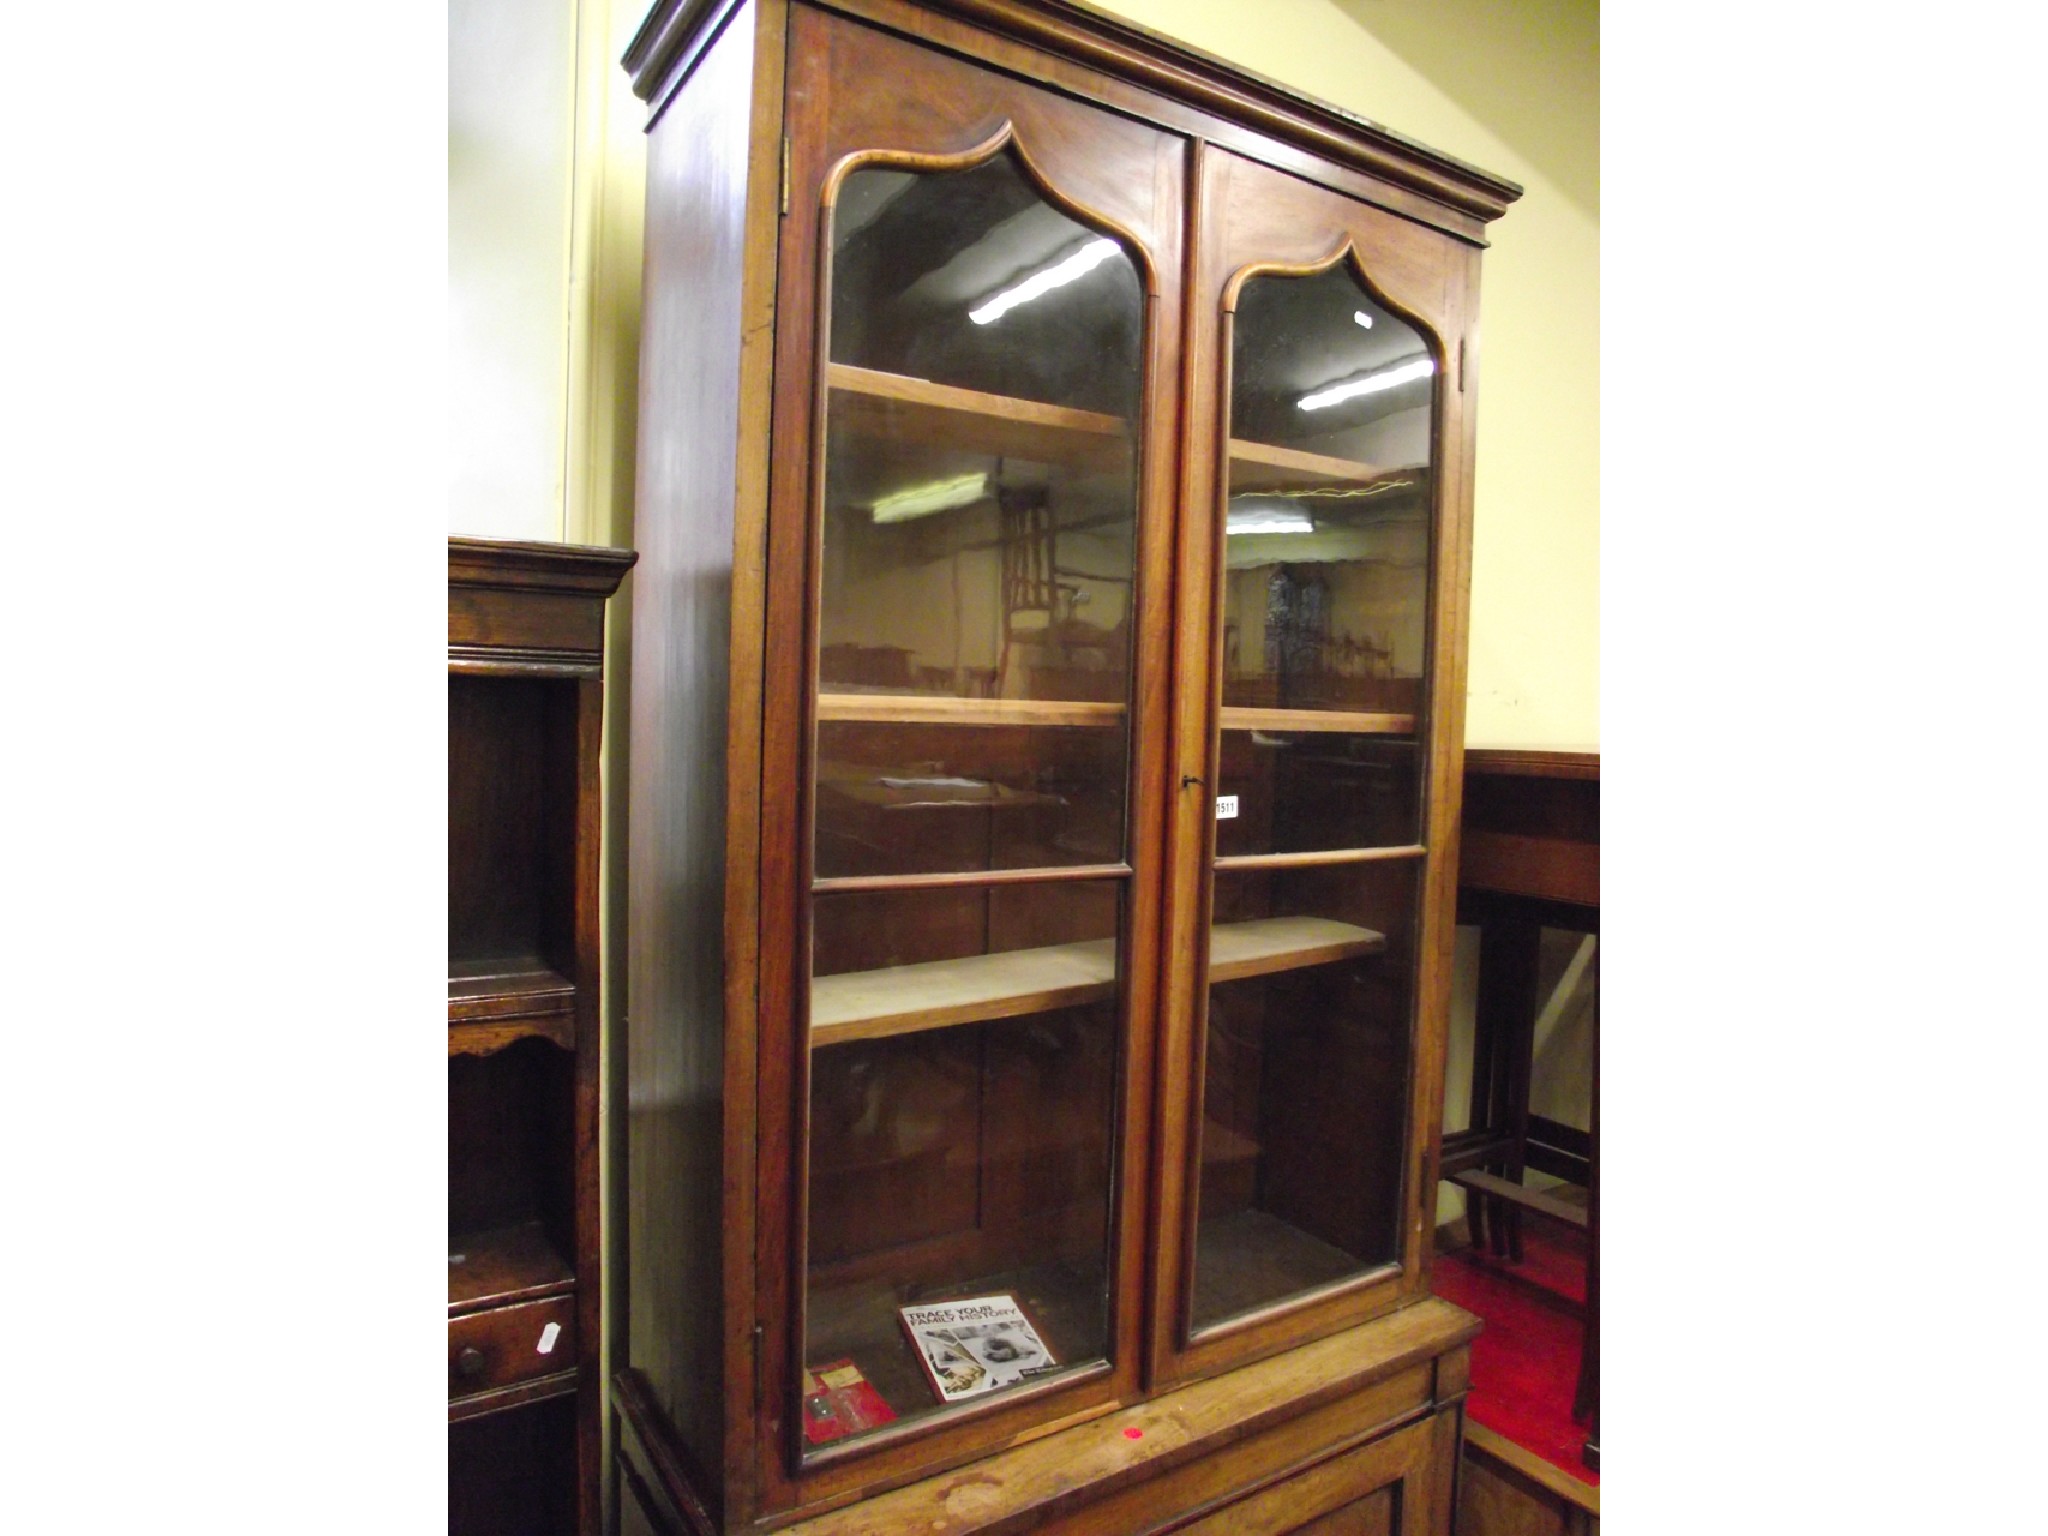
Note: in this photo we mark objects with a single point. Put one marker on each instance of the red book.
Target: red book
(838, 1401)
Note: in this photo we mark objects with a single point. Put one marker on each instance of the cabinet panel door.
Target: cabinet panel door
(1322, 552)
(970, 538)
(1384, 1488)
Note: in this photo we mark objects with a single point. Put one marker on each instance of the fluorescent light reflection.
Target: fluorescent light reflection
(1248, 514)
(934, 496)
(1075, 265)
(1369, 384)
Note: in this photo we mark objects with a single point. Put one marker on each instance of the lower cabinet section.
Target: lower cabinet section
(1382, 1488)
(1505, 1490)
(1358, 1433)
(513, 1473)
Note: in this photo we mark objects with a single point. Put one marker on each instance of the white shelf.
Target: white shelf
(904, 999)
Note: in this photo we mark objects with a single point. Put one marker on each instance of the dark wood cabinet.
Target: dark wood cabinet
(1055, 464)
(525, 697)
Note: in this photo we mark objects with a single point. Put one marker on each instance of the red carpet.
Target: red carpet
(1525, 1365)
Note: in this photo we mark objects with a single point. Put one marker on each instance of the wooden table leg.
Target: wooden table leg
(1484, 1111)
(1505, 1011)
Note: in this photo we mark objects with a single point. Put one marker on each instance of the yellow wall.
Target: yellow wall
(1513, 88)
(604, 315)
(511, 100)
(544, 198)
(544, 300)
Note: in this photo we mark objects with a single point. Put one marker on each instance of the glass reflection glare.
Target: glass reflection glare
(1372, 384)
(1327, 530)
(1058, 275)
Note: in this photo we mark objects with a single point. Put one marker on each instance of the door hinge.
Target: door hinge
(785, 176)
(760, 1391)
(1461, 357)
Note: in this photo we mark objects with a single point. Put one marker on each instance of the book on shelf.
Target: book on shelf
(974, 1346)
(839, 1401)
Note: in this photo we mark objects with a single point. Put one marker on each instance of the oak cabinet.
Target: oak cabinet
(525, 693)
(1055, 454)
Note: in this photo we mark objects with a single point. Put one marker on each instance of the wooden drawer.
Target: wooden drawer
(492, 1349)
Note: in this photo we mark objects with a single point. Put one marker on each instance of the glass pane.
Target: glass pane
(1326, 554)
(1304, 791)
(974, 657)
(1305, 1081)
(916, 799)
(963, 1081)
(974, 679)
(981, 473)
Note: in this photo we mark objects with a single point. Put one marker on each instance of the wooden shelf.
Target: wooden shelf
(857, 1317)
(897, 408)
(1222, 1146)
(905, 999)
(890, 792)
(902, 999)
(1268, 467)
(1532, 763)
(482, 1404)
(496, 1000)
(502, 1266)
(1250, 1258)
(937, 709)
(1318, 858)
(1298, 722)
(1267, 944)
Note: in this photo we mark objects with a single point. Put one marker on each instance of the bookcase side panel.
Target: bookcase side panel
(693, 777)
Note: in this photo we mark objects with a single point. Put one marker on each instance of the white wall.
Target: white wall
(511, 114)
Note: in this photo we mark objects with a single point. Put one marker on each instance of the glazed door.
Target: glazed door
(970, 522)
(1320, 563)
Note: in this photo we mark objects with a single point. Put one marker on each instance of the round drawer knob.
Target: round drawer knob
(469, 1362)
